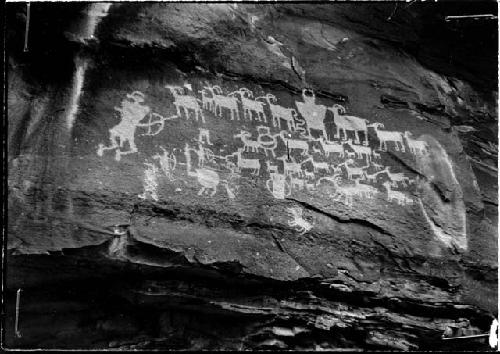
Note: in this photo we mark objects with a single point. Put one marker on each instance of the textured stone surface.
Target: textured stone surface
(195, 253)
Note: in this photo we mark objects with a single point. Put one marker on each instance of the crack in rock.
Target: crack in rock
(362, 222)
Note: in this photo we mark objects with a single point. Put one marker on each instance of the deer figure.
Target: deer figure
(384, 136)
(352, 123)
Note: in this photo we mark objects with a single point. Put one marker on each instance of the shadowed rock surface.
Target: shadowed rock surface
(226, 228)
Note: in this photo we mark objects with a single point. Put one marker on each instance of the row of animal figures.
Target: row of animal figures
(312, 115)
(294, 177)
(133, 112)
(266, 142)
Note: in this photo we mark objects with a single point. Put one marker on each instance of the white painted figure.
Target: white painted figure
(362, 152)
(301, 145)
(417, 147)
(317, 166)
(397, 196)
(314, 114)
(365, 190)
(290, 166)
(207, 102)
(220, 101)
(298, 222)
(271, 168)
(352, 170)
(279, 185)
(351, 123)
(132, 111)
(186, 103)
(244, 163)
(167, 161)
(251, 106)
(332, 147)
(204, 135)
(278, 112)
(268, 142)
(345, 193)
(397, 178)
(208, 178)
(249, 145)
(385, 136)
(150, 182)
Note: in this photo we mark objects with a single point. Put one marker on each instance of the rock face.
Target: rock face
(236, 176)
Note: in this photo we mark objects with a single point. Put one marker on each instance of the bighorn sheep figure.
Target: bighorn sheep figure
(416, 146)
(251, 106)
(186, 102)
(344, 123)
(220, 101)
(384, 136)
(278, 112)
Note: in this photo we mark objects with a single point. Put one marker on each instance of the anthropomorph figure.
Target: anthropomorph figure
(132, 111)
(150, 182)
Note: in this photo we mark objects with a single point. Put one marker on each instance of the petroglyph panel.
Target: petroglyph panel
(304, 148)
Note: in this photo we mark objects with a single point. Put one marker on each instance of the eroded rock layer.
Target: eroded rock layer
(237, 176)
